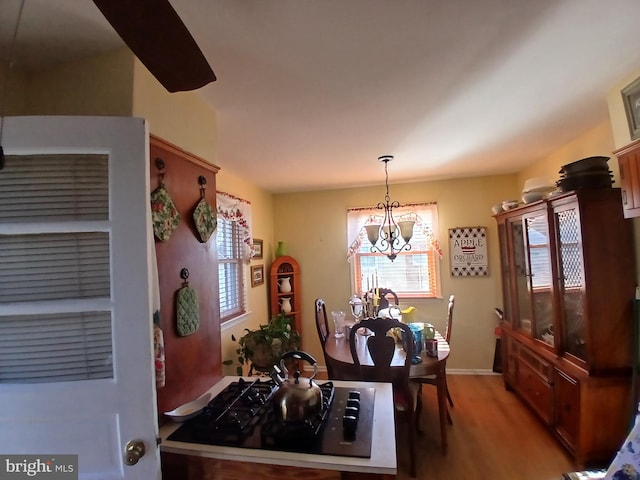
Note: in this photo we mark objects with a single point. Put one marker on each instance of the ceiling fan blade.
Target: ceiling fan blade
(157, 36)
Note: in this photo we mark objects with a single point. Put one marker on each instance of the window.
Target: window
(230, 269)
(414, 273)
(233, 240)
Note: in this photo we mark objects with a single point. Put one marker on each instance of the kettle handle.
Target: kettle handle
(299, 355)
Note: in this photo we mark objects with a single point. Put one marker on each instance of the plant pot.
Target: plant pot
(265, 355)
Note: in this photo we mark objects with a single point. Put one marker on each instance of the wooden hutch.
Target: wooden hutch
(568, 279)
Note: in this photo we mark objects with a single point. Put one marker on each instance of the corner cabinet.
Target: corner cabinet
(629, 163)
(285, 290)
(568, 282)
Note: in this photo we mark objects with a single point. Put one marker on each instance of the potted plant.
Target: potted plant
(263, 347)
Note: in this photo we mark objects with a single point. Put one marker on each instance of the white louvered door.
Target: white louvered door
(76, 369)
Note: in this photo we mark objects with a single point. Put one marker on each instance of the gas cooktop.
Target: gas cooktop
(242, 416)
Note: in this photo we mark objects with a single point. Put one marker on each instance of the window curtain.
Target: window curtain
(424, 214)
(237, 210)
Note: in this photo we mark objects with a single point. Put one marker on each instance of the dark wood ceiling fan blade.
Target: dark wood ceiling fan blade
(157, 36)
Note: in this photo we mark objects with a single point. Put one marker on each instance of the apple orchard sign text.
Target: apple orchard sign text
(468, 251)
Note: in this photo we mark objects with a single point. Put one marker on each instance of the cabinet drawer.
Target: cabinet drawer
(535, 363)
(536, 391)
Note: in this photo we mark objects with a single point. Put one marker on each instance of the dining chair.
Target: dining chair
(322, 325)
(380, 347)
(437, 377)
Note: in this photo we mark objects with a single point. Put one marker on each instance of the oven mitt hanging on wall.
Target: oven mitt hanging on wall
(164, 214)
(205, 220)
(187, 311)
(204, 217)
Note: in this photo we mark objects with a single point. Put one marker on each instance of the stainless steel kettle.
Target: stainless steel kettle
(300, 398)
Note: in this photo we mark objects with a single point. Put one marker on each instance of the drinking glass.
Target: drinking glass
(338, 322)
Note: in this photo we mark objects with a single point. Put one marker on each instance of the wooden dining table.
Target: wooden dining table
(340, 362)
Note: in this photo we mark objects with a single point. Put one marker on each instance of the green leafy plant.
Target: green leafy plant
(264, 346)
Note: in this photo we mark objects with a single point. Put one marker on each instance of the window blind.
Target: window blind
(55, 269)
(46, 188)
(55, 347)
(230, 268)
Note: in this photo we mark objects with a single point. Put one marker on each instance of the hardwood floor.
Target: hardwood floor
(494, 436)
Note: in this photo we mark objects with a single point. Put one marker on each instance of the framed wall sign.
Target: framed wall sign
(631, 99)
(468, 251)
(257, 248)
(257, 275)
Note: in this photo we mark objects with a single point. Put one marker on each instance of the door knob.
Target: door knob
(133, 452)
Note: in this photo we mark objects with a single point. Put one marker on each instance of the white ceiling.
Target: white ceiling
(311, 92)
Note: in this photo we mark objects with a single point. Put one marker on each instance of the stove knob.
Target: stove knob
(350, 425)
(352, 412)
(354, 394)
(353, 402)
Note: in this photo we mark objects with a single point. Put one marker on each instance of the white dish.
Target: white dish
(189, 410)
(529, 197)
(509, 204)
(538, 184)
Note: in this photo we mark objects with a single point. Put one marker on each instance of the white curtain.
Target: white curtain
(237, 210)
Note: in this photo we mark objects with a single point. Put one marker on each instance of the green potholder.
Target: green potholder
(187, 311)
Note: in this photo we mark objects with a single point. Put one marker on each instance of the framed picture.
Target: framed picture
(631, 99)
(257, 275)
(468, 251)
(257, 248)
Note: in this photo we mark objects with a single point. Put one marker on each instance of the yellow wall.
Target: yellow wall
(94, 86)
(313, 226)
(16, 95)
(596, 142)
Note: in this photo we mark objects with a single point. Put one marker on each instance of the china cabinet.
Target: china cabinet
(285, 290)
(568, 283)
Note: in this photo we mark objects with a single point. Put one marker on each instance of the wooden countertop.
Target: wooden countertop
(382, 461)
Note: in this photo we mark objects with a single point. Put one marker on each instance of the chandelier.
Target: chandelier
(389, 233)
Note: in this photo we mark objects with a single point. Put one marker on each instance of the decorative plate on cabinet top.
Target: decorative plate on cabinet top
(509, 204)
(189, 410)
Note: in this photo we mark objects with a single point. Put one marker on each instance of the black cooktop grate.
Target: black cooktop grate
(242, 415)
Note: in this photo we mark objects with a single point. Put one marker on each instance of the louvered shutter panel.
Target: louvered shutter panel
(55, 280)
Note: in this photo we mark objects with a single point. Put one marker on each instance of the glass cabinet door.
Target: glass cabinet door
(523, 313)
(505, 268)
(572, 285)
(541, 285)
(532, 267)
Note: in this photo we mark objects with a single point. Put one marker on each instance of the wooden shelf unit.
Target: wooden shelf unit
(281, 268)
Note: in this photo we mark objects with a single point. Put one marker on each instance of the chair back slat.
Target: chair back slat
(447, 332)
(322, 324)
